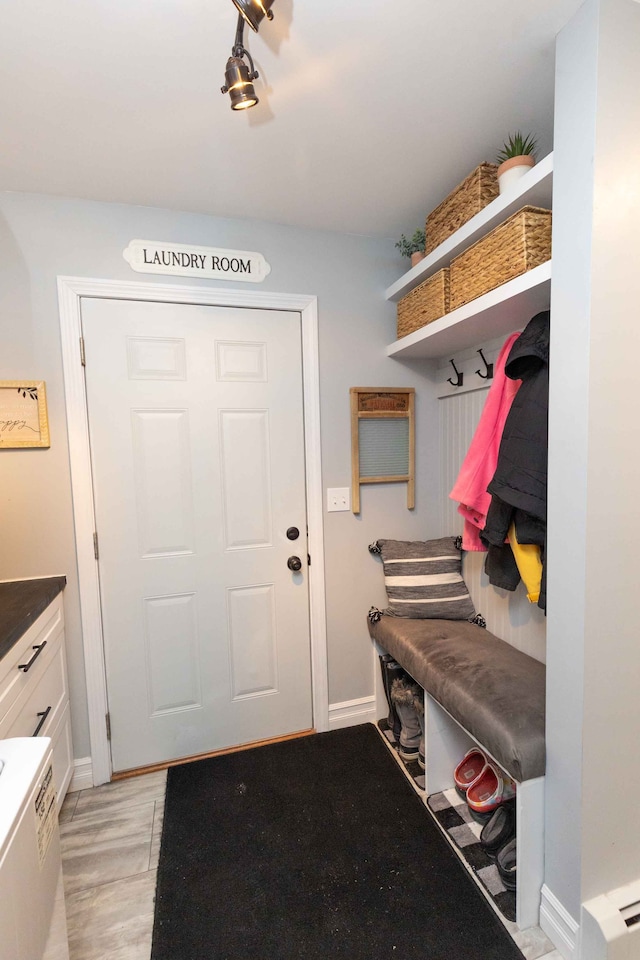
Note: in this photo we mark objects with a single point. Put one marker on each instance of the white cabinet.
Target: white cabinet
(34, 691)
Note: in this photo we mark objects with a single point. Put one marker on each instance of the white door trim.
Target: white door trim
(70, 290)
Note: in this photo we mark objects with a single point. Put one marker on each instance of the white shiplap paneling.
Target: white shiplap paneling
(508, 615)
(459, 415)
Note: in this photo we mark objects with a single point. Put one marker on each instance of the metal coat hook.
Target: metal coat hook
(488, 374)
(460, 376)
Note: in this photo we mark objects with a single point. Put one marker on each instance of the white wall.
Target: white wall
(611, 856)
(593, 707)
(43, 237)
(568, 423)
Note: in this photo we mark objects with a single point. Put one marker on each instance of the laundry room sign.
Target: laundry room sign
(185, 260)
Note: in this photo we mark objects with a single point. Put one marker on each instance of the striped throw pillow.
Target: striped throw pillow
(423, 579)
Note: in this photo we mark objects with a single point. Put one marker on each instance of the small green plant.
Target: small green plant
(517, 146)
(415, 244)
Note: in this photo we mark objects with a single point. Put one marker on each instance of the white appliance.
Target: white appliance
(33, 924)
(610, 928)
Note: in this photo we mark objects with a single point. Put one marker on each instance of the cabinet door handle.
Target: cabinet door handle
(38, 650)
(43, 717)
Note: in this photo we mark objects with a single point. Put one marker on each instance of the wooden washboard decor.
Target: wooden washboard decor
(382, 439)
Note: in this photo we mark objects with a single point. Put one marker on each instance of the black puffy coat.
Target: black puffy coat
(521, 472)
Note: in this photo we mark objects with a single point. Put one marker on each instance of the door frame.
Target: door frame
(70, 292)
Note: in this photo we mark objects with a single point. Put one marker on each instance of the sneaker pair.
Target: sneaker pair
(482, 784)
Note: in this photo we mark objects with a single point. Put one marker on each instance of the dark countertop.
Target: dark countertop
(21, 603)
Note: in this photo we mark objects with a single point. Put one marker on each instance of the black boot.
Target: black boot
(403, 694)
(391, 670)
(418, 702)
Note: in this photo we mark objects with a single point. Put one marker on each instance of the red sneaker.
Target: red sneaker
(469, 769)
(489, 790)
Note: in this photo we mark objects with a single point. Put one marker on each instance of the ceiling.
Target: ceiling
(369, 114)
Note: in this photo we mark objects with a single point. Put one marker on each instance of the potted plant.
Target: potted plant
(515, 159)
(413, 247)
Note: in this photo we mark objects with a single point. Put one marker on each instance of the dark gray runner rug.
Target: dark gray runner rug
(312, 849)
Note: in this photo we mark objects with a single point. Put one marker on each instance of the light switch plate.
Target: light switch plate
(338, 498)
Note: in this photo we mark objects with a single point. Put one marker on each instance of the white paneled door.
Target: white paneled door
(197, 445)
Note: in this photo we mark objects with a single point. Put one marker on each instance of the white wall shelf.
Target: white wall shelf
(534, 188)
(494, 314)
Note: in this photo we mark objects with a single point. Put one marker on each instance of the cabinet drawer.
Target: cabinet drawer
(34, 651)
(45, 701)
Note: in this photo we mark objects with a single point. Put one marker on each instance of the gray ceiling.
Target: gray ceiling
(370, 112)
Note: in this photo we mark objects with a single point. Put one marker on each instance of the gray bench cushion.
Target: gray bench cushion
(494, 691)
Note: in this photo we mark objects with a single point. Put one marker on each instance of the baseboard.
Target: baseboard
(351, 712)
(559, 925)
(82, 777)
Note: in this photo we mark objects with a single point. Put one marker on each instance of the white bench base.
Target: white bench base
(446, 742)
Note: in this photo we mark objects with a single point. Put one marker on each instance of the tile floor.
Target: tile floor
(110, 845)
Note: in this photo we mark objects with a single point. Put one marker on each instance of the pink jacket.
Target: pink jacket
(479, 465)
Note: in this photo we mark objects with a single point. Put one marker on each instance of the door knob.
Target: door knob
(294, 563)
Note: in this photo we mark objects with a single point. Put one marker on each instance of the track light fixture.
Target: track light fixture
(254, 11)
(238, 77)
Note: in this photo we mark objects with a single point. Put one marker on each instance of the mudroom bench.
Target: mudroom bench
(480, 690)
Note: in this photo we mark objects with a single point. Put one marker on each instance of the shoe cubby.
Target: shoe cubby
(446, 742)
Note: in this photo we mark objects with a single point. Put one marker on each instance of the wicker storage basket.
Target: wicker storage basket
(469, 197)
(519, 244)
(425, 303)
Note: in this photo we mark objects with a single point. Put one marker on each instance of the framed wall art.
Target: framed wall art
(23, 414)
(382, 439)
